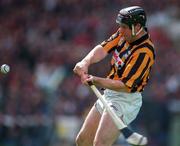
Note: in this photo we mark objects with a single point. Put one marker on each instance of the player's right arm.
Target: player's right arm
(94, 56)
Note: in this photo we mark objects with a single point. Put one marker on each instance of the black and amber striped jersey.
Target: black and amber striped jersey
(131, 62)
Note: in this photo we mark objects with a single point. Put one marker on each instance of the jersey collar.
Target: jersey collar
(140, 40)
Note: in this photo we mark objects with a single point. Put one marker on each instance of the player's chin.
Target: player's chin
(128, 39)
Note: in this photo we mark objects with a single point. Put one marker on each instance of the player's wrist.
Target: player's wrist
(94, 80)
(86, 62)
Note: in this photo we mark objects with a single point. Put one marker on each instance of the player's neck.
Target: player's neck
(142, 33)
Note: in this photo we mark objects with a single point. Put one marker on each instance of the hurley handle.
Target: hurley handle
(90, 83)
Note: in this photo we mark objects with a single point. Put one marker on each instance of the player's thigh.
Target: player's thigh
(107, 131)
(90, 125)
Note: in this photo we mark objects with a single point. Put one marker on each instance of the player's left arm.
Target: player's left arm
(139, 64)
(107, 83)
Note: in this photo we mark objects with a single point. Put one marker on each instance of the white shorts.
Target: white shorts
(125, 105)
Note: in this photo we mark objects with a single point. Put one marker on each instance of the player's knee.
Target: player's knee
(99, 142)
(81, 140)
(78, 140)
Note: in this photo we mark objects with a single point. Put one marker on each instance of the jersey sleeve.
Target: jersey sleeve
(110, 44)
(137, 67)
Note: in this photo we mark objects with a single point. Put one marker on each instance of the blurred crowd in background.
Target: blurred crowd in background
(42, 103)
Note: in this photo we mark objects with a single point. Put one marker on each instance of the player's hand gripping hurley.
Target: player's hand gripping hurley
(131, 137)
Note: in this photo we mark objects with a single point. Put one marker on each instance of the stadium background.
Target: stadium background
(42, 103)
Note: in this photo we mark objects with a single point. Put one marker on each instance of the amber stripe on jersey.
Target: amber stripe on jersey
(132, 75)
(137, 66)
(141, 68)
(112, 42)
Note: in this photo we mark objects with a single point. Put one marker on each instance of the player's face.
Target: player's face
(126, 32)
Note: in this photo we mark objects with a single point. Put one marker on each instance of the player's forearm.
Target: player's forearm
(116, 85)
(95, 55)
